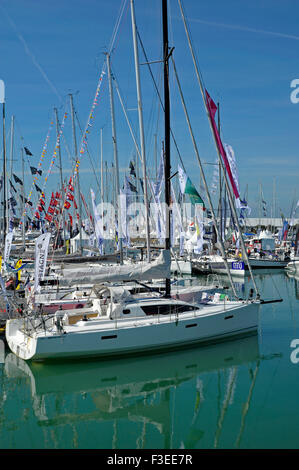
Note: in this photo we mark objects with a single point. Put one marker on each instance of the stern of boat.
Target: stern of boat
(20, 343)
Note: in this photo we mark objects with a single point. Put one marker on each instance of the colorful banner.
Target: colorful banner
(18, 267)
(187, 187)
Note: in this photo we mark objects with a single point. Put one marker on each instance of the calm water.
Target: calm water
(238, 394)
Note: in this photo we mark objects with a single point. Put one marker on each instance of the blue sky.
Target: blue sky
(248, 55)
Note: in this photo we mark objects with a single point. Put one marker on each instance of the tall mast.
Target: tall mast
(60, 170)
(115, 151)
(220, 183)
(23, 199)
(274, 203)
(78, 178)
(102, 171)
(11, 143)
(4, 175)
(106, 182)
(141, 128)
(155, 155)
(166, 132)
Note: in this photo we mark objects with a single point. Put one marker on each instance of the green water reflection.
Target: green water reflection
(238, 394)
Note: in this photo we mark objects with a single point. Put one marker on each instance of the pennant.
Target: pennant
(132, 169)
(17, 179)
(28, 202)
(34, 171)
(131, 186)
(12, 202)
(27, 151)
(187, 187)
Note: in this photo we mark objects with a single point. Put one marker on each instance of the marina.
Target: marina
(145, 295)
(239, 394)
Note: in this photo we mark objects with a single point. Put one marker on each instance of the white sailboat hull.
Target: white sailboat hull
(266, 264)
(106, 338)
(293, 266)
(216, 265)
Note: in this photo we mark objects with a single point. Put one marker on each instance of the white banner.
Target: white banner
(182, 179)
(292, 221)
(41, 254)
(98, 223)
(2, 92)
(7, 248)
(232, 163)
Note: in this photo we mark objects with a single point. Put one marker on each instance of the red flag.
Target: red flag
(212, 108)
(67, 204)
(53, 202)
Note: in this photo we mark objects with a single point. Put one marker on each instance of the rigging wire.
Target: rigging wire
(159, 96)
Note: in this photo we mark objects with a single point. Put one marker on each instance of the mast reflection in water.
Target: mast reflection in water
(175, 400)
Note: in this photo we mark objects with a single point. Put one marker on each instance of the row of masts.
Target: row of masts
(141, 147)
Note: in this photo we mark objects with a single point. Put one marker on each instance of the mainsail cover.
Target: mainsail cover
(142, 271)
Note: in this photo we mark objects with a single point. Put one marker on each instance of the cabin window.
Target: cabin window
(126, 311)
(167, 309)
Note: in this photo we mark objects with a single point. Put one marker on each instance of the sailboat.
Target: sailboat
(117, 324)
